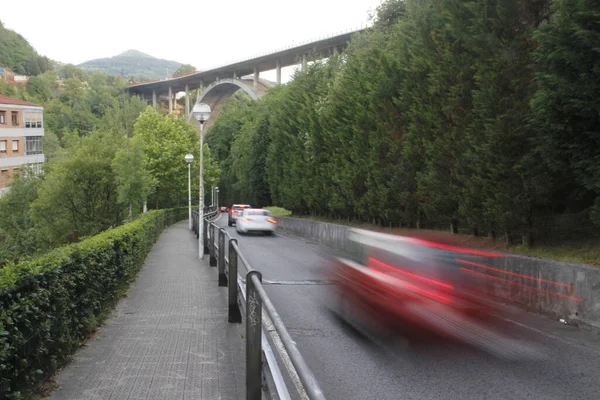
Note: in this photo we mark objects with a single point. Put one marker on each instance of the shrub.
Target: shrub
(50, 304)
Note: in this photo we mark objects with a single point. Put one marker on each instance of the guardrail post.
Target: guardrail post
(205, 235)
(253, 337)
(221, 259)
(234, 314)
(212, 261)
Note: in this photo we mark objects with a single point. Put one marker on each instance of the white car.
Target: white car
(255, 220)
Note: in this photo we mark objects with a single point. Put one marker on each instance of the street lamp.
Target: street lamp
(217, 197)
(189, 158)
(201, 112)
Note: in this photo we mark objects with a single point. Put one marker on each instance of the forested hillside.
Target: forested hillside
(106, 157)
(133, 63)
(17, 54)
(476, 115)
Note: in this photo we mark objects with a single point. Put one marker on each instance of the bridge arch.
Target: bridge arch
(218, 92)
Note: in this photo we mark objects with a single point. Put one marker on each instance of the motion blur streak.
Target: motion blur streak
(412, 275)
(453, 248)
(567, 285)
(470, 271)
(400, 284)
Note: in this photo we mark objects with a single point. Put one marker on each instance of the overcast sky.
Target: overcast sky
(198, 32)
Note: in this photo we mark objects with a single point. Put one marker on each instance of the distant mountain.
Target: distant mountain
(17, 55)
(133, 63)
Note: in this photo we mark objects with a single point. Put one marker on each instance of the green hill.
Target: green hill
(133, 63)
(19, 56)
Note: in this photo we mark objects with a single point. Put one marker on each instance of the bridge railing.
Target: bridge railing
(265, 53)
(246, 297)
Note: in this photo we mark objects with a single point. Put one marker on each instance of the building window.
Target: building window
(2, 117)
(15, 118)
(15, 145)
(3, 146)
(33, 145)
(33, 119)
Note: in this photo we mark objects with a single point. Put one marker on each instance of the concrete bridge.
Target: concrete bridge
(216, 85)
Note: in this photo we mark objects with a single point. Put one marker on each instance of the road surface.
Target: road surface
(350, 367)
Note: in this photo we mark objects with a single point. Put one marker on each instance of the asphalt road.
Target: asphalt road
(350, 367)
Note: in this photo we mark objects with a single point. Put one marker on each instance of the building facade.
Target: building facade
(21, 137)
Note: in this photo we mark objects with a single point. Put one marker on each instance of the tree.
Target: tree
(134, 181)
(21, 234)
(79, 192)
(52, 147)
(166, 141)
(123, 113)
(43, 87)
(184, 69)
(566, 102)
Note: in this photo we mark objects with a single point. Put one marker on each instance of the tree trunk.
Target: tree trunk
(527, 239)
(454, 227)
(507, 238)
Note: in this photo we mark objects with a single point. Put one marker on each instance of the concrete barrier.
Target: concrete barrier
(552, 288)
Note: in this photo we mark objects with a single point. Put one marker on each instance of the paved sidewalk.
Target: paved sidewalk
(169, 339)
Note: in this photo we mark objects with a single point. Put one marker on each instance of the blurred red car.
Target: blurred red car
(224, 209)
(390, 285)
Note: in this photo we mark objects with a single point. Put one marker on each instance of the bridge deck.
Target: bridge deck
(168, 339)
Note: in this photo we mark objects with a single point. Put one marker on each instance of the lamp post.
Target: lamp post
(201, 112)
(189, 158)
(217, 197)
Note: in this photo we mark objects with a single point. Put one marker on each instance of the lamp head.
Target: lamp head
(201, 112)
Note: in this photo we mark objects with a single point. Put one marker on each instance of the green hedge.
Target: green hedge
(49, 305)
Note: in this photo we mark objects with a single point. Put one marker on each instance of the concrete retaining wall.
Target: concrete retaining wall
(553, 288)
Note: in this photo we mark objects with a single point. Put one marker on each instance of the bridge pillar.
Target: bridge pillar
(170, 99)
(235, 75)
(154, 98)
(278, 67)
(304, 63)
(255, 78)
(187, 101)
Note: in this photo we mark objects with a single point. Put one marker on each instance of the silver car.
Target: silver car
(256, 220)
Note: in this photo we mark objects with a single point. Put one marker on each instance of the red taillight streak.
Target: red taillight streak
(412, 275)
(470, 271)
(247, 219)
(271, 220)
(417, 289)
(567, 285)
(454, 248)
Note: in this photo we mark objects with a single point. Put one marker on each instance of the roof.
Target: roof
(16, 102)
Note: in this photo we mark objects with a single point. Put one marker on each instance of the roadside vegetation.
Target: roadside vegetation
(279, 212)
(475, 117)
(108, 154)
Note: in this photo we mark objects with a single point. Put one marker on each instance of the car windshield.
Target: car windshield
(266, 213)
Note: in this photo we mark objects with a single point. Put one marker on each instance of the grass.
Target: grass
(583, 251)
(279, 212)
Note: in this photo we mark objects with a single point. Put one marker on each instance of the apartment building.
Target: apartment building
(21, 135)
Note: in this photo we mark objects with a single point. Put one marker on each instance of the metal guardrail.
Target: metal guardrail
(246, 300)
